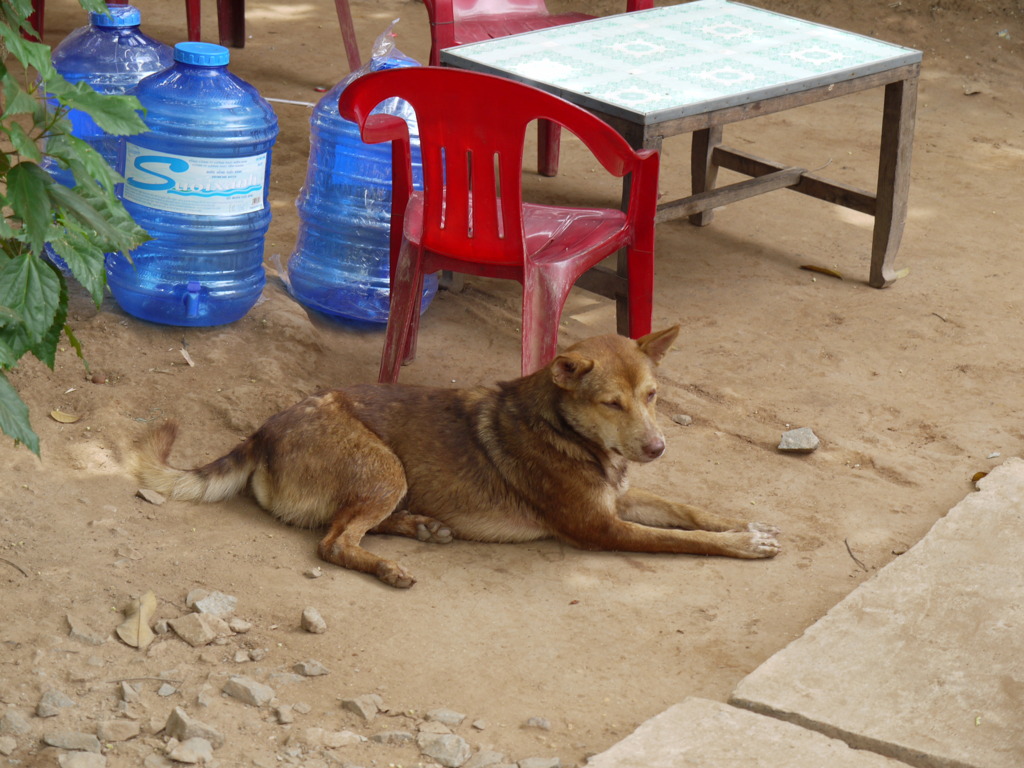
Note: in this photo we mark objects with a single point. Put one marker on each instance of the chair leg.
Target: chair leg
(549, 140)
(36, 19)
(193, 16)
(543, 300)
(348, 34)
(403, 315)
(231, 22)
(641, 292)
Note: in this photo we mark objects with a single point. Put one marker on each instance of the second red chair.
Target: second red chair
(470, 216)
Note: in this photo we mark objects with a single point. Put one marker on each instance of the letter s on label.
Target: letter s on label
(174, 165)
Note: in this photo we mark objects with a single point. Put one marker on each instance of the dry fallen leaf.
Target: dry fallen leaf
(134, 630)
(821, 270)
(978, 476)
(64, 418)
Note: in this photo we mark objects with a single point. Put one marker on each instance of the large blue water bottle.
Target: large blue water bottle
(197, 181)
(112, 55)
(341, 263)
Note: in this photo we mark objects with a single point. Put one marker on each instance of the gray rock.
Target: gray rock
(366, 706)
(448, 749)
(129, 693)
(81, 631)
(335, 739)
(485, 759)
(313, 622)
(52, 702)
(538, 722)
(286, 678)
(117, 730)
(682, 419)
(83, 742)
(449, 717)
(214, 603)
(802, 440)
(285, 714)
(540, 762)
(15, 723)
(239, 626)
(248, 691)
(182, 727)
(310, 668)
(192, 751)
(199, 629)
(7, 745)
(151, 496)
(158, 761)
(166, 690)
(82, 760)
(393, 737)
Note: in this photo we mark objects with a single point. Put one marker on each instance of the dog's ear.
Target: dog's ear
(568, 369)
(656, 344)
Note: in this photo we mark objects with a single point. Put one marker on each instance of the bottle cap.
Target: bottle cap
(116, 16)
(202, 54)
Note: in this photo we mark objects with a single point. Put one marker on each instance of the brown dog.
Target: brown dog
(542, 456)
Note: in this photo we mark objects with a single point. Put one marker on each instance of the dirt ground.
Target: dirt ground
(911, 389)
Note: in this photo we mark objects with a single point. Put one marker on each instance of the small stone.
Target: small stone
(81, 631)
(129, 693)
(480, 725)
(151, 496)
(192, 751)
(313, 573)
(310, 668)
(182, 727)
(336, 739)
(15, 723)
(393, 737)
(198, 629)
(214, 603)
(81, 760)
(258, 654)
(7, 745)
(432, 726)
(448, 749)
(540, 762)
(166, 690)
(286, 678)
(802, 440)
(449, 717)
(117, 730)
(285, 714)
(158, 761)
(538, 722)
(241, 656)
(52, 702)
(302, 708)
(485, 759)
(248, 691)
(366, 706)
(682, 419)
(239, 626)
(313, 622)
(81, 742)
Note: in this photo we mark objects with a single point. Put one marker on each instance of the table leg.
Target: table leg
(898, 119)
(703, 172)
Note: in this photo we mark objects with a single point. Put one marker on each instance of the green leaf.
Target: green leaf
(115, 114)
(14, 417)
(84, 258)
(16, 99)
(26, 194)
(127, 235)
(8, 316)
(29, 53)
(32, 288)
(24, 144)
(46, 348)
(76, 345)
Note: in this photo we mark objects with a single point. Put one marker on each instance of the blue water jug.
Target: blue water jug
(112, 55)
(197, 181)
(341, 262)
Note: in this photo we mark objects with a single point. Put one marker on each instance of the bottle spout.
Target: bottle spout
(193, 298)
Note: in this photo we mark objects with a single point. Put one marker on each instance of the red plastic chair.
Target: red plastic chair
(456, 22)
(471, 218)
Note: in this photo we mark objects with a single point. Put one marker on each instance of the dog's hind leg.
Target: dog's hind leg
(341, 545)
(421, 527)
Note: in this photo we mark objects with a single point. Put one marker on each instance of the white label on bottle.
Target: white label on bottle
(202, 186)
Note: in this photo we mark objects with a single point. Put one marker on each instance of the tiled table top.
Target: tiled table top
(681, 60)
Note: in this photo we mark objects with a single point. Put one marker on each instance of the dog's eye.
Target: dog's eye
(614, 404)
(651, 395)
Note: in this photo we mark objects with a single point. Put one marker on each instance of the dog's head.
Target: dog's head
(610, 391)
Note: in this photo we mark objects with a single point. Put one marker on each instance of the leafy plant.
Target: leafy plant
(80, 223)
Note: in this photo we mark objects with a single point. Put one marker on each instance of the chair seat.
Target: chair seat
(468, 31)
(553, 234)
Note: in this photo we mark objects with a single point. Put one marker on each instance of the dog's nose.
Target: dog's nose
(654, 448)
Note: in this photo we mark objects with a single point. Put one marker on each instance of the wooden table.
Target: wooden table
(697, 66)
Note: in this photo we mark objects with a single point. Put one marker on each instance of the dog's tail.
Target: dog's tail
(216, 481)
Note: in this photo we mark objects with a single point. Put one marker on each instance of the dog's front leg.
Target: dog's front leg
(647, 508)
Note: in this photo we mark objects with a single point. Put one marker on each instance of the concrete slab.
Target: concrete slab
(710, 734)
(925, 662)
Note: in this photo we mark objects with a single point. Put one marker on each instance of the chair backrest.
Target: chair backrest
(444, 11)
(472, 130)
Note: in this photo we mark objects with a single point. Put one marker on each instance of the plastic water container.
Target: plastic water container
(197, 181)
(112, 56)
(341, 263)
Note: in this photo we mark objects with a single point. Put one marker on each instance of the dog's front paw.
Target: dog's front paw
(394, 575)
(435, 531)
(763, 541)
(764, 528)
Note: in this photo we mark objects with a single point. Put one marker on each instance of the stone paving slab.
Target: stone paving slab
(709, 734)
(924, 662)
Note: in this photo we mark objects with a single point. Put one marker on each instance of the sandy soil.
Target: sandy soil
(911, 389)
